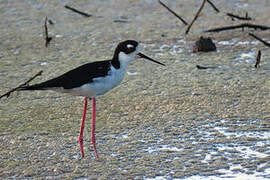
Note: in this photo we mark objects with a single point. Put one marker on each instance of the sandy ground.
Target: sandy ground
(161, 122)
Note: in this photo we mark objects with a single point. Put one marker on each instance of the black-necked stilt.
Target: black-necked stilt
(94, 79)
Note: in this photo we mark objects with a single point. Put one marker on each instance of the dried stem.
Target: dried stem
(24, 84)
(196, 16)
(183, 21)
(238, 26)
(213, 6)
(77, 11)
(259, 39)
(239, 17)
(47, 38)
(258, 59)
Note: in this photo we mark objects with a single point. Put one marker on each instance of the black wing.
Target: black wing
(76, 77)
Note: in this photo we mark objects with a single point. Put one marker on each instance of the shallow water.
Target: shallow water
(170, 122)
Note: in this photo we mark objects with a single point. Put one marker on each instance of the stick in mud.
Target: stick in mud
(120, 21)
(47, 38)
(16, 88)
(77, 11)
(183, 21)
(254, 26)
(258, 59)
(259, 39)
(239, 17)
(212, 4)
(195, 17)
(205, 67)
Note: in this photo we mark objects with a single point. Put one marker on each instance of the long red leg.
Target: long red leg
(82, 126)
(93, 126)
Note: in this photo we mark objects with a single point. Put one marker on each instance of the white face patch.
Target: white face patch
(126, 58)
(130, 46)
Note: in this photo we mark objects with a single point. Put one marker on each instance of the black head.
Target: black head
(128, 50)
(127, 47)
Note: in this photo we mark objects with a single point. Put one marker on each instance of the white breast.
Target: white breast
(100, 85)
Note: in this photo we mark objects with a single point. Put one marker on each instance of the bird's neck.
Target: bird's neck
(115, 63)
(121, 61)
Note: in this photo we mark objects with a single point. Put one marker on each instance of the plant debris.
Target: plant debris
(259, 39)
(212, 4)
(205, 67)
(24, 84)
(258, 59)
(248, 25)
(77, 11)
(239, 17)
(120, 21)
(47, 38)
(50, 22)
(195, 17)
(183, 21)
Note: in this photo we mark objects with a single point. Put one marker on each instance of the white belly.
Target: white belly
(100, 85)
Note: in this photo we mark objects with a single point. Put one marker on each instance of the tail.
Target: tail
(24, 88)
(32, 87)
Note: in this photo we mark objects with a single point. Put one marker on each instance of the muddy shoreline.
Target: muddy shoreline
(161, 122)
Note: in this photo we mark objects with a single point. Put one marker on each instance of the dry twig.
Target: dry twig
(77, 11)
(214, 7)
(47, 38)
(258, 59)
(24, 84)
(183, 21)
(196, 16)
(239, 17)
(259, 39)
(254, 26)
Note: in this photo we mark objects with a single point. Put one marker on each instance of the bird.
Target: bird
(94, 79)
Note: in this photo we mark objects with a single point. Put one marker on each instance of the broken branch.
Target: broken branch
(77, 11)
(239, 17)
(47, 38)
(238, 26)
(258, 59)
(259, 39)
(213, 6)
(183, 21)
(27, 82)
(196, 16)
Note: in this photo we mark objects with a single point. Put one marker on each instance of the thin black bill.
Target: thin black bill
(150, 59)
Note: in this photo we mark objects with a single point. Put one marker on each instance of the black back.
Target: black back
(76, 77)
